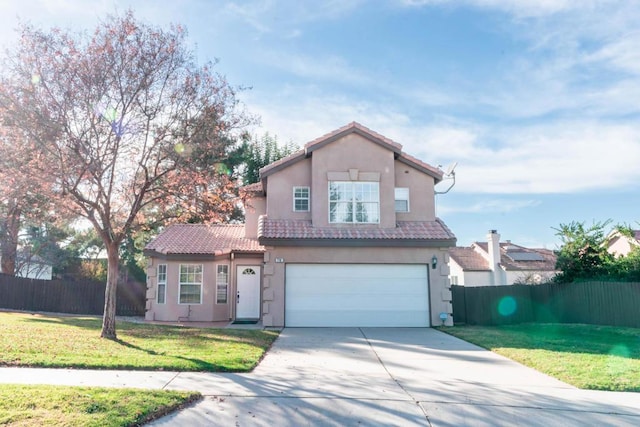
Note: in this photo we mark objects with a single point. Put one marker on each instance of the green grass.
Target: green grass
(74, 342)
(586, 356)
(27, 405)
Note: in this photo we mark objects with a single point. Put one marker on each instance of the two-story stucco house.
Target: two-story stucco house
(340, 233)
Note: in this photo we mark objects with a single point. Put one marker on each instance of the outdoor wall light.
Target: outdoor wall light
(434, 262)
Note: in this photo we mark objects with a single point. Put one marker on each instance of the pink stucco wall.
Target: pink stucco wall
(208, 310)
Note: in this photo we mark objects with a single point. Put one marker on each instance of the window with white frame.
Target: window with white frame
(162, 284)
(402, 199)
(354, 202)
(222, 284)
(190, 284)
(301, 199)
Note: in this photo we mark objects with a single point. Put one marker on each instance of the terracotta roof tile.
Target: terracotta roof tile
(435, 172)
(256, 187)
(303, 229)
(469, 259)
(351, 126)
(203, 239)
(291, 158)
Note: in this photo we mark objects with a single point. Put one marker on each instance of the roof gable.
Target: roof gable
(358, 129)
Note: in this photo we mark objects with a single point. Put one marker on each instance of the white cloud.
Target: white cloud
(622, 53)
(519, 8)
(560, 157)
(490, 206)
(268, 16)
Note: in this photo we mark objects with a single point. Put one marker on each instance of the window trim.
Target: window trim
(307, 198)
(219, 283)
(396, 199)
(354, 202)
(180, 283)
(160, 283)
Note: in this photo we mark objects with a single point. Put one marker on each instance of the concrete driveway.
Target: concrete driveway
(372, 376)
(368, 376)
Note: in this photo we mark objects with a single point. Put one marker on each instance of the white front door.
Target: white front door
(248, 292)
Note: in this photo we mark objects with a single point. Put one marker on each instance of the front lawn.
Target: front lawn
(586, 356)
(74, 342)
(28, 405)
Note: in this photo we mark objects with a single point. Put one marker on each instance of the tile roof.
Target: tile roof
(433, 171)
(470, 259)
(256, 187)
(283, 162)
(303, 229)
(203, 239)
(353, 126)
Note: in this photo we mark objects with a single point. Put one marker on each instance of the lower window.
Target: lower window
(162, 283)
(222, 284)
(190, 284)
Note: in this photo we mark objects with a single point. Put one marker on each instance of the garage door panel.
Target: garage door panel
(356, 295)
(354, 318)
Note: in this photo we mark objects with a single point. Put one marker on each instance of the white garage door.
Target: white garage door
(356, 295)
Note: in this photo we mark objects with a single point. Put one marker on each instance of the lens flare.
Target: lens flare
(222, 169)
(179, 147)
(618, 362)
(110, 114)
(507, 306)
(35, 79)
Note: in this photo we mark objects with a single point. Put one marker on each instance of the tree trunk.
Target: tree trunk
(9, 230)
(109, 316)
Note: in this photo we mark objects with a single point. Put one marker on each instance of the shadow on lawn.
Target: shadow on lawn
(196, 364)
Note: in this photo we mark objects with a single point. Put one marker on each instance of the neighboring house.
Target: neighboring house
(33, 267)
(619, 244)
(493, 263)
(340, 233)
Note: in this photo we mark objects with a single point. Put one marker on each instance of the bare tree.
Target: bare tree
(125, 125)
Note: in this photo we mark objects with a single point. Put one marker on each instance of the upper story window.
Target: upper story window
(402, 199)
(301, 199)
(354, 202)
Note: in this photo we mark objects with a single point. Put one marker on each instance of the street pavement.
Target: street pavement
(368, 376)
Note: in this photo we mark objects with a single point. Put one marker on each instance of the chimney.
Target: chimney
(493, 243)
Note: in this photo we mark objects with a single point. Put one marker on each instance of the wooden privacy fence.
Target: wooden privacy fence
(17, 293)
(599, 303)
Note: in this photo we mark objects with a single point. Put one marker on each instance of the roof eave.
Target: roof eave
(276, 166)
(318, 242)
(431, 172)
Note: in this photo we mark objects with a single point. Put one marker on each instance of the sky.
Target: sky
(538, 101)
